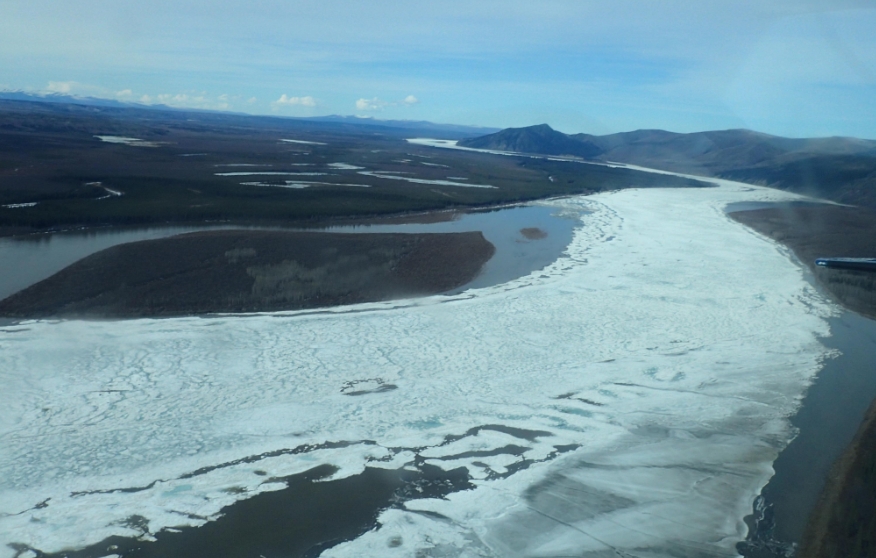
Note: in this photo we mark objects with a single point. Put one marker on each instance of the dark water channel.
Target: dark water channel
(516, 255)
(829, 417)
(28, 260)
(302, 520)
(827, 420)
(831, 413)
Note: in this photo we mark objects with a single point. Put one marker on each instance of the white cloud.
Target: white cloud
(286, 101)
(370, 104)
(124, 93)
(252, 100)
(379, 104)
(76, 88)
(60, 86)
(199, 100)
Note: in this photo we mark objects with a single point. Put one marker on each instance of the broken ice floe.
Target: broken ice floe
(628, 398)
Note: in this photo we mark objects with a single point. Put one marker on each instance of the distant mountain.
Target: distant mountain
(60, 98)
(838, 168)
(404, 128)
(423, 126)
(714, 151)
(540, 139)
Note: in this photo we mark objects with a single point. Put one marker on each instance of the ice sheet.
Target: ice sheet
(669, 346)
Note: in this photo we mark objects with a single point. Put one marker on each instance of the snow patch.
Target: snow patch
(303, 142)
(394, 176)
(129, 141)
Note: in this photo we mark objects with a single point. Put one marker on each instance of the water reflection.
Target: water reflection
(28, 260)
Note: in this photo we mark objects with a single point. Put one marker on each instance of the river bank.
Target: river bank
(252, 271)
(814, 497)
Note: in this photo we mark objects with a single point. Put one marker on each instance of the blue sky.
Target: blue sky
(795, 68)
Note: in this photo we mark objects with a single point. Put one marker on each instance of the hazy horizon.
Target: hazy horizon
(797, 69)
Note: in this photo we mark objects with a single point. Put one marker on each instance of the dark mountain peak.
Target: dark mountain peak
(540, 138)
(541, 128)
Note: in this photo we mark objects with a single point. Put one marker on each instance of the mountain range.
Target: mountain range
(404, 128)
(837, 168)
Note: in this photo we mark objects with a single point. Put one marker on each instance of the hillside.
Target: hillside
(837, 168)
(535, 139)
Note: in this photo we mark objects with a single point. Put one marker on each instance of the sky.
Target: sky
(798, 68)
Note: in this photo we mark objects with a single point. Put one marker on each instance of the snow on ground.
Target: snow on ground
(17, 205)
(344, 166)
(395, 176)
(300, 184)
(270, 173)
(303, 142)
(129, 141)
(670, 344)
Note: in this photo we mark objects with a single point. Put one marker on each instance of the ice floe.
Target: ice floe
(628, 399)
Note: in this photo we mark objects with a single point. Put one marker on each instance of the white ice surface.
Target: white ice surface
(670, 343)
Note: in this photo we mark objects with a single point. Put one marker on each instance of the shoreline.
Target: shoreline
(234, 271)
(469, 374)
(814, 519)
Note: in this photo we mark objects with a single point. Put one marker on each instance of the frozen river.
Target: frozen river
(629, 399)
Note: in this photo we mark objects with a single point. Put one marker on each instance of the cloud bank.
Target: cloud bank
(375, 103)
(287, 101)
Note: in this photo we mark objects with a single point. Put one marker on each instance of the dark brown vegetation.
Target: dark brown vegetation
(253, 271)
(50, 156)
(533, 233)
(844, 520)
(836, 168)
(820, 230)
